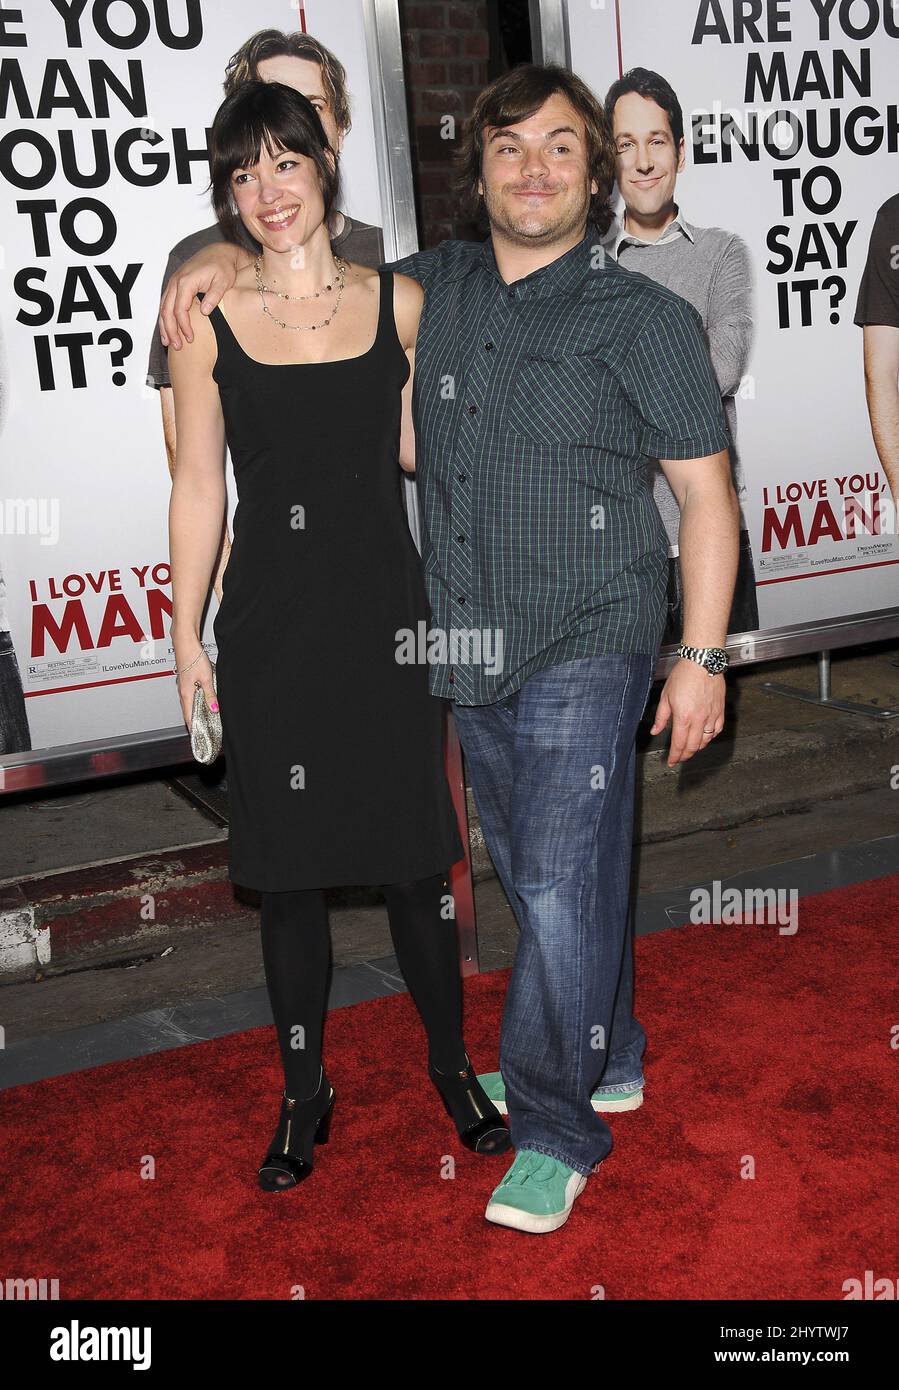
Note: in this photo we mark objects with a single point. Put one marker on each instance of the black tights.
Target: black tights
(296, 948)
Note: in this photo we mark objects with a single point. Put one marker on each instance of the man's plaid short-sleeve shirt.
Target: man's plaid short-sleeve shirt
(536, 405)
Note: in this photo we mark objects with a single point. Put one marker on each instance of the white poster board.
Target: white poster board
(756, 95)
(104, 169)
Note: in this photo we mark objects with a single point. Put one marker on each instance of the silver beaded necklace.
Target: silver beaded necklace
(339, 280)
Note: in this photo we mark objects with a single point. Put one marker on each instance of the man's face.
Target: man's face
(534, 177)
(305, 77)
(647, 161)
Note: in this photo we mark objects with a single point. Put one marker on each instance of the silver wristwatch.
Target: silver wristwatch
(713, 659)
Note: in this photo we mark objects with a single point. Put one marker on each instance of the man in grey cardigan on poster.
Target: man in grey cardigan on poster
(707, 266)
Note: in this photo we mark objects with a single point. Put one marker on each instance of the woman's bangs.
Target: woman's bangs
(247, 142)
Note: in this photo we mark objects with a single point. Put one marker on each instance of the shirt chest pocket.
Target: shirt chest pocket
(554, 398)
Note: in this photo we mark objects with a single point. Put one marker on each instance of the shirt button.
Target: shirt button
(461, 598)
(472, 410)
(488, 347)
(460, 538)
(463, 477)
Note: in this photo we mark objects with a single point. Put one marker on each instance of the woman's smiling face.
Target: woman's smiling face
(279, 199)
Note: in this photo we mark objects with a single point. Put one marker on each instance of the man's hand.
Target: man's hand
(694, 702)
(211, 271)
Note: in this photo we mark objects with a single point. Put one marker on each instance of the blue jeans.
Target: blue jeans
(552, 772)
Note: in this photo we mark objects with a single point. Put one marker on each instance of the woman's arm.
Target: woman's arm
(407, 433)
(170, 437)
(408, 300)
(198, 501)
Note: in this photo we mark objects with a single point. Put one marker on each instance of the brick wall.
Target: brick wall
(446, 49)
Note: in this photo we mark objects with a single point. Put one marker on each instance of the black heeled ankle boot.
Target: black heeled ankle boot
(302, 1124)
(478, 1123)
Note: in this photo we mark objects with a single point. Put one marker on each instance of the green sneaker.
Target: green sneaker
(618, 1098)
(536, 1194)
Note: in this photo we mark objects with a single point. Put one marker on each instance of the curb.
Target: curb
(77, 916)
(80, 914)
(756, 776)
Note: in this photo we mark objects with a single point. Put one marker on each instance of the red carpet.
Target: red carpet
(760, 1045)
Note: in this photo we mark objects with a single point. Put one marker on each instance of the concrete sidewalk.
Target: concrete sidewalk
(114, 870)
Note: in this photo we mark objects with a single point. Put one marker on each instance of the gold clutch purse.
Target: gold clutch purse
(205, 726)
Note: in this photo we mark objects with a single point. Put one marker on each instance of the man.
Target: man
(877, 312)
(301, 62)
(545, 375)
(707, 266)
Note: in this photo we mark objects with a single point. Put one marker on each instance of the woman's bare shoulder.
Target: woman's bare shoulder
(200, 353)
(408, 297)
(407, 290)
(245, 279)
(199, 322)
(359, 277)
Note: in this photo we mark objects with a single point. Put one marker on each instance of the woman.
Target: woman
(333, 747)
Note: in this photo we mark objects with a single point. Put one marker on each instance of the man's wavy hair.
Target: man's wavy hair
(272, 43)
(513, 97)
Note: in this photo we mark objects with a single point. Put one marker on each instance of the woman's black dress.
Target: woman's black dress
(334, 748)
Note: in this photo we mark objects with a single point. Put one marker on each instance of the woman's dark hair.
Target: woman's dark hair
(655, 88)
(273, 115)
(516, 95)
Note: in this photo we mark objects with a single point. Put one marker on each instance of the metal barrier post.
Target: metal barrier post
(461, 881)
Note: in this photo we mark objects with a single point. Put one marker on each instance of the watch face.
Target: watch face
(716, 660)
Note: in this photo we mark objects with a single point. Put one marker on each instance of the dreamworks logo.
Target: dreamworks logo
(748, 906)
(460, 646)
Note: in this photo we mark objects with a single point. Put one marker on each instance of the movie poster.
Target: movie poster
(106, 112)
(791, 130)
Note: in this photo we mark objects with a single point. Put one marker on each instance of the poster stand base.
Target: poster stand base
(824, 697)
(461, 881)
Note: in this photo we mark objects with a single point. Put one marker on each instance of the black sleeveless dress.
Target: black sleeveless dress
(334, 748)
